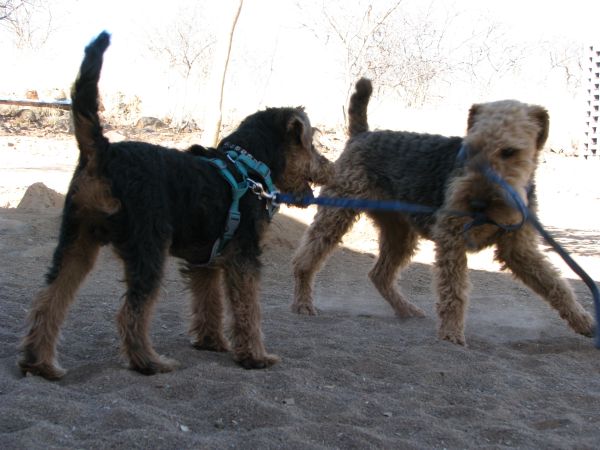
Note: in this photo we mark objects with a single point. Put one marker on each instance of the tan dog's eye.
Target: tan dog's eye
(508, 152)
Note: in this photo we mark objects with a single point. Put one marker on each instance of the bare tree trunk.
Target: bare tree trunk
(213, 122)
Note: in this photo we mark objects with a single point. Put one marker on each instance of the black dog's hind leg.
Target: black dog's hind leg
(144, 264)
(242, 275)
(206, 326)
(73, 259)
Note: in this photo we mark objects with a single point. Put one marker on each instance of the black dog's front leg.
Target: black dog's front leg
(242, 278)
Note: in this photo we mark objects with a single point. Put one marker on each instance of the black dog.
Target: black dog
(148, 201)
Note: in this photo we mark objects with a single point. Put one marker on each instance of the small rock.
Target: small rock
(114, 136)
(26, 116)
(56, 94)
(150, 122)
(64, 124)
(32, 94)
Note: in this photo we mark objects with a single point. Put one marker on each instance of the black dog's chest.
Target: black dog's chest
(196, 253)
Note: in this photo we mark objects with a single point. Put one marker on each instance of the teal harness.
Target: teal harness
(245, 164)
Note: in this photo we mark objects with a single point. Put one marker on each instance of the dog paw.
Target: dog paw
(212, 344)
(304, 309)
(48, 371)
(161, 365)
(456, 337)
(583, 324)
(409, 310)
(254, 362)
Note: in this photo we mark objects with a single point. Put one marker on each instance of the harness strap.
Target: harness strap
(238, 189)
(243, 163)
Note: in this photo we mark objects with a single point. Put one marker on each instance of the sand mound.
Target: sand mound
(39, 196)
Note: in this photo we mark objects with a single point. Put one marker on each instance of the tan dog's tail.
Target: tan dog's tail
(84, 99)
(357, 110)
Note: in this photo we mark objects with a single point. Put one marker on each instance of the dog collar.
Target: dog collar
(244, 163)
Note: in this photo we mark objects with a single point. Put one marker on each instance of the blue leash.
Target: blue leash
(354, 203)
(478, 219)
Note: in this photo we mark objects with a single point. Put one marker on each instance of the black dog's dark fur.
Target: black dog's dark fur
(147, 201)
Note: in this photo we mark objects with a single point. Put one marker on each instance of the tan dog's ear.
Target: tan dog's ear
(472, 115)
(301, 132)
(541, 117)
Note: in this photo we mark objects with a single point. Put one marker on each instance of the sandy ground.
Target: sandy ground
(353, 377)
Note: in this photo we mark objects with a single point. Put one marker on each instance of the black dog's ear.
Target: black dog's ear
(540, 115)
(472, 115)
(300, 131)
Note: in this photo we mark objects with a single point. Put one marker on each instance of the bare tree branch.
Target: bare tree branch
(566, 57)
(183, 48)
(29, 21)
(415, 51)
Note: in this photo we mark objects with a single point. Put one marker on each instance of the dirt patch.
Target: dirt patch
(353, 377)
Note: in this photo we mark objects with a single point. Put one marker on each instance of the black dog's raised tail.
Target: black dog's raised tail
(84, 98)
(357, 110)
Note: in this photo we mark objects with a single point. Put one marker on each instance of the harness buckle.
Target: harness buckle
(256, 188)
(259, 190)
